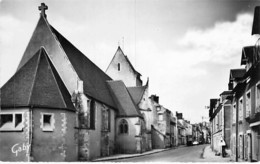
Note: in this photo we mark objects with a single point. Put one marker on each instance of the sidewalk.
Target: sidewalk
(124, 156)
(209, 156)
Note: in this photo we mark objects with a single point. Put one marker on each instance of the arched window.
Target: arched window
(118, 66)
(123, 127)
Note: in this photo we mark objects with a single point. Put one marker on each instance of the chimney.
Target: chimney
(155, 98)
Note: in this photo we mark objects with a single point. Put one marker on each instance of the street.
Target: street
(182, 154)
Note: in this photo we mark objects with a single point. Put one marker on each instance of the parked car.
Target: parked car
(195, 143)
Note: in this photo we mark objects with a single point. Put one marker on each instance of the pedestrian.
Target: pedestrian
(222, 147)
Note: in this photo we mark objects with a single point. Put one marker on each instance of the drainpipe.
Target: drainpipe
(30, 157)
(236, 131)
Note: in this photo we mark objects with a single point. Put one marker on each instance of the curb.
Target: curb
(137, 155)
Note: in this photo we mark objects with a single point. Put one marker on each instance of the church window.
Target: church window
(118, 66)
(11, 121)
(105, 119)
(92, 114)
(47, 122)
(123, 127)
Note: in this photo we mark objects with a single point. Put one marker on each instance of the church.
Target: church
(60, 106)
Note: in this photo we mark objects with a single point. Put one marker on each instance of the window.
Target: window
(258, 97)
(123, 127)
(47, 122)
(11, 121)
(92, 114)
(240, 108)
(248, 104)
(234, 114)
(118, 66)
(105, 119)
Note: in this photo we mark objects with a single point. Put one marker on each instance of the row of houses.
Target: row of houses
(60, 106)
(235, 115)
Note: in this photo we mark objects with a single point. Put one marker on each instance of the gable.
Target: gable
(121, 57)
(43, 37)
(120, 68)
(247, 54)
(69, 62)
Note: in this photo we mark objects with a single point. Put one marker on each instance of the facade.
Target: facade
(221, 112)
(173, 131)
(246, 102)
(243, 102)
(161, 137)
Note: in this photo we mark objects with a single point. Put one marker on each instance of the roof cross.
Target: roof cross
(42, 8)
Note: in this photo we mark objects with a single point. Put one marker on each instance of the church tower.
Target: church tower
(120, 68)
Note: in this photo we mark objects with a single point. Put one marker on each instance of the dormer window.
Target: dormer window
(118, 66)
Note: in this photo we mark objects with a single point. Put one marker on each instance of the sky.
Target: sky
(185, 47)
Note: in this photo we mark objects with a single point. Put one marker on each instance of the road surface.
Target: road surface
(181, 154)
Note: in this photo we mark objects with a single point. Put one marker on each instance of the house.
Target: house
(173, 131)
(219, 118)
(246, 105)
(161, 128)
(236, 75)
(182, 129)
(189, 137)
(120, 68)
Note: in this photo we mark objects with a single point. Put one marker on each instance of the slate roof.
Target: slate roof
(256, 21)
(215, 112)
(36, 84)
(212, 105)
(123, 99)
(237, 73)
(247, 54)
(94, 79)
(136, 93)
(226, 93)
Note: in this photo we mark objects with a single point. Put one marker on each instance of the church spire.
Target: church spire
(42, 8)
